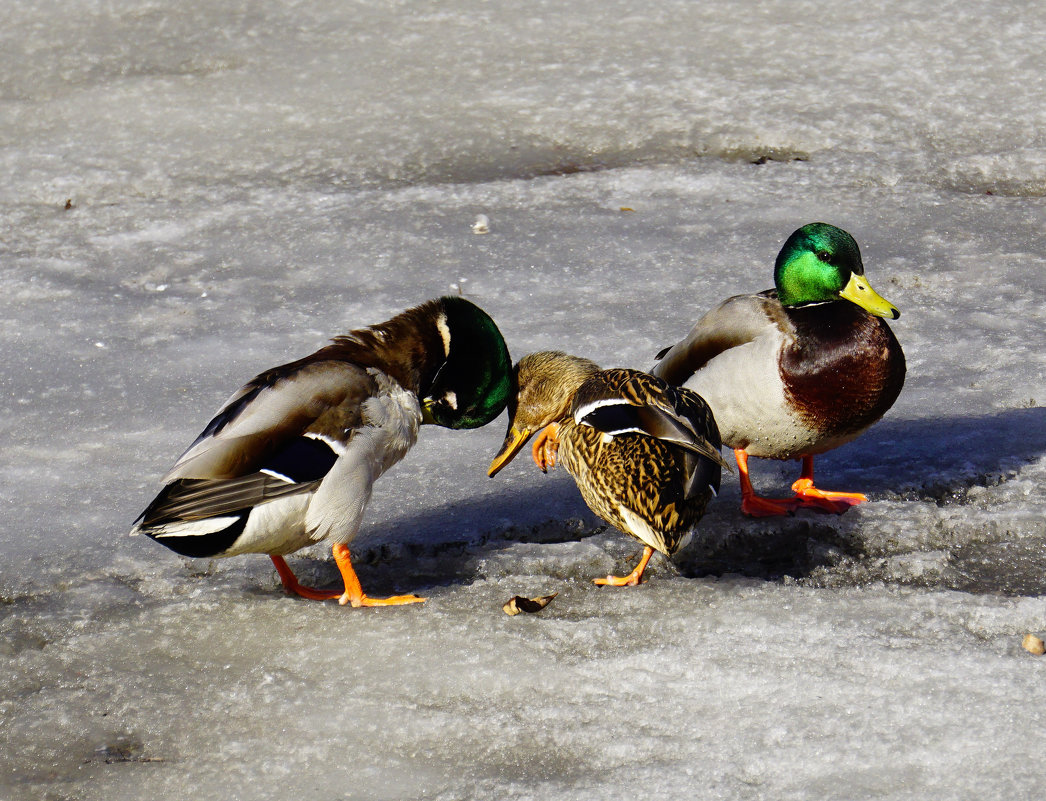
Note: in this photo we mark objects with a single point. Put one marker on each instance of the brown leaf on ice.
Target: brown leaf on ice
(518, 604)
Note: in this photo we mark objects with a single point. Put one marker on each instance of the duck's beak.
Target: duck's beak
(514, 441)
(859, 291)
(426, 411)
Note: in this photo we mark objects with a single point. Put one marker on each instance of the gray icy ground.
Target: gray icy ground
(247, 179)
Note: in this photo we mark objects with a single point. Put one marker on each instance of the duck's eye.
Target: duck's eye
(824, 256)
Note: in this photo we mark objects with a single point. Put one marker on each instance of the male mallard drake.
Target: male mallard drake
(291, 458)
(798, 370)
(645, 455)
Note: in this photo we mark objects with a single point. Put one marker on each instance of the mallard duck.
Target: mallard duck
(291, 458)
(798, 370)
(645, 455)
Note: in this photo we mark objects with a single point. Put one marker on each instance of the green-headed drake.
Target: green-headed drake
(644, 454)
(797, 370)
(291, 458)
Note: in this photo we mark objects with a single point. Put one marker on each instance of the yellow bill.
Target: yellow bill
(859, 291)
(514, 441)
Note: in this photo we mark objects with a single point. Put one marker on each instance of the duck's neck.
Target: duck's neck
(830, 325)
(569, 374)
(409, 348)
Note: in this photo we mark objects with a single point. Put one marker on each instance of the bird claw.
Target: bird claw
(634, 578)
(366, 600)
(617, 581)
(546, 448)
(809, 497)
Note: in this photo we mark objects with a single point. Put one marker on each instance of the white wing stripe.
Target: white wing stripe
(335, 445)
(588, 408)
(274, 474)
(194, 528)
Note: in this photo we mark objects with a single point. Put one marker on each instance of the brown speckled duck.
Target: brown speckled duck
(291, 458)
(798, 370)
(644, 455)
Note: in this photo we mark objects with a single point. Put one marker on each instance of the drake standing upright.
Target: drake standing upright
(797, 370)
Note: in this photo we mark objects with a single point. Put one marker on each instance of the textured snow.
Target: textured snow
(194, 192)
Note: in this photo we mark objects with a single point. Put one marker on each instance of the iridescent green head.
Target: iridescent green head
(820, 263)
(473, 385)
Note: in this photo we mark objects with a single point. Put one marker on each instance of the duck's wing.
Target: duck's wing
(279, 435)
(280, 422)
(734, 322)
(189, 500)
(622, 401)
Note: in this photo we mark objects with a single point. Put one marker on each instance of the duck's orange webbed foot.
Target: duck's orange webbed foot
(392, 600)
(546, 447)
(809, 497)
(633, 578)
(354, 592)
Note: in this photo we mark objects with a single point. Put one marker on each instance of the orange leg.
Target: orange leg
(633, 578)
(546, 447)
(353, 593)
(755, 505)
(809, 497)
(290, 581)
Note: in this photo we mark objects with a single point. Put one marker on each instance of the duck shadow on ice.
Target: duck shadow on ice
(442, 545)
(936, 461)
(928, 460)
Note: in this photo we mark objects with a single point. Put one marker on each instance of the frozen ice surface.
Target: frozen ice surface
(194, 192)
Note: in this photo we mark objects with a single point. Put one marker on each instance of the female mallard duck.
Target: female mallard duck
(795, 371)
(291, 458)
(645, 455)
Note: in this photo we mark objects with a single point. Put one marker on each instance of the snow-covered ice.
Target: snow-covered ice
(195, 191)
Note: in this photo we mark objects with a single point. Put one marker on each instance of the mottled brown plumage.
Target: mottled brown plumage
(645, 455)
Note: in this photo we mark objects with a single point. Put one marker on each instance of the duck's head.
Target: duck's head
(545, 384)
(819, 263)
(474, 382)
